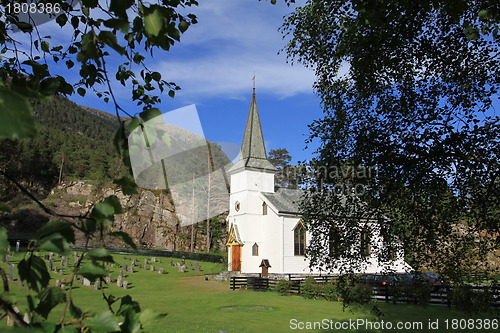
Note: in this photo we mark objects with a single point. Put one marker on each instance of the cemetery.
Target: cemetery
(187, 299)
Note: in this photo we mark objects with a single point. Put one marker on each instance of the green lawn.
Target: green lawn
(191, 304)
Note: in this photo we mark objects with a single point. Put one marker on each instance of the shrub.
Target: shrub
(465, 298)
(357, 294)
(284, 287)
(310, 288)
(330, 292)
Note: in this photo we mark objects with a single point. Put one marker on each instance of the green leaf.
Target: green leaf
(127, 185)
(134, 123)
(49, 298)
(151, 114)
(101, 254)
(92, 271)
(54, 243)
(75, 311)
(119, 7)
(104, 322)
(34, 272)
(109, 39)
(15, 116)
(153, 23)
(107, 208)
(131, 322)
(127, 304)
(62, 20)
(55, 237)
(4, 241)
(45, 46)
(183, 26)
(57, 227)
(123, 236)
(49, 86)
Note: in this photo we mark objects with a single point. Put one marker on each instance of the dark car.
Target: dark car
(377, 280)
(420, 278)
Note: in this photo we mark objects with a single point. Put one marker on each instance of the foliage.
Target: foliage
(465, 298)
(357, 294)
(288, 175)
(310, 288)
(99, 31)
(408, 91)
(417, 293)
(284, 287)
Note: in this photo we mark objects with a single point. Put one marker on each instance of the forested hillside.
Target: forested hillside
(75, 143)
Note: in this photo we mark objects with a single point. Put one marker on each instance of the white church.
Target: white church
(266, 234)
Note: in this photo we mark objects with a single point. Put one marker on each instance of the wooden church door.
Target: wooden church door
(236, 258)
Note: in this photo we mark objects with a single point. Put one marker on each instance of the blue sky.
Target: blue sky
(214, 64)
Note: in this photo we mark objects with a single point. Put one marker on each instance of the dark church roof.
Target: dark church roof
(253, 150)
(285, 200)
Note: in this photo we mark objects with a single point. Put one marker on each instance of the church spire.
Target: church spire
(253, 150)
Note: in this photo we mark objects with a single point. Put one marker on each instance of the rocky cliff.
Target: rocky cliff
(149, 217)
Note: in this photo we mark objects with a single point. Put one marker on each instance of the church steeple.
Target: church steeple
(253, 150)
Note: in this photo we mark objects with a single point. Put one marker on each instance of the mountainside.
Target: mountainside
(72, 162)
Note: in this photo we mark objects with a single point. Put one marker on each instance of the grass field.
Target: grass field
(191, 304)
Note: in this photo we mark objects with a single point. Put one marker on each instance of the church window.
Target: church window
(335, 242)
(237, 206)
(264, 208)
(299, 239)
(255, 250)
(365, 245)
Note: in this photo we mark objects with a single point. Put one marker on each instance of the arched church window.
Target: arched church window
(365, 245)
(255, 249)
(335, 242)
(237, 206)
(299, 239)
(264, 208)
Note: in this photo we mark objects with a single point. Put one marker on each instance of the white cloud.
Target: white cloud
(218, 56)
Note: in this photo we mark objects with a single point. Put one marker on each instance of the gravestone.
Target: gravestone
(66, 262)
(131, 269)
(18, 243)
(7, 259)
(108, 279)
(158, 261)
(125, 284)
(183, 260)
(97, 284)
(58, 283)
(177, 264)
(197, 267)
(171, 262)
(161, 271)
(146, 267)
(152, 268)
(86, 282)
(134, 261)
(119, 281)
(11, 272)
(145, 261)
(125, 267)
(20, 283)
(153, 259)
(51, 263)
(182, 269)
(63, 286)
